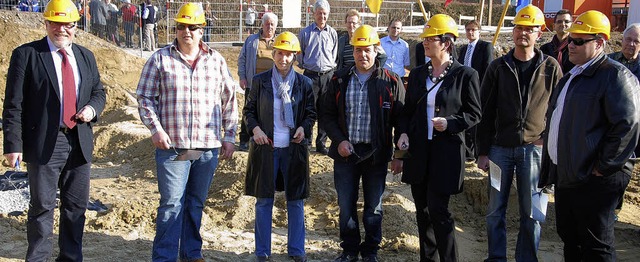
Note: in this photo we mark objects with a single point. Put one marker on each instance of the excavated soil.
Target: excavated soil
(123, 178)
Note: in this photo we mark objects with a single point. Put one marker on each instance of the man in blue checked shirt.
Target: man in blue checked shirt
(361, 106)
(186, 98)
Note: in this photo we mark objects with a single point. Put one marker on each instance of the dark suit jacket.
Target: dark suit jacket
(482, 56)
(31, 116)
(458, 101)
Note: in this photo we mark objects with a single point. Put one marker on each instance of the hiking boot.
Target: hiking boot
(370, 258)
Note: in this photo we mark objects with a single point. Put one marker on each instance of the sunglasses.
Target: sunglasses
(580, 41)
(191, 27)
(65, 25)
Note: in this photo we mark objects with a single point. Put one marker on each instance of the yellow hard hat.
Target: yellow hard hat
(530, 15)
(191, 14)
(364, 35)
(287, 41)
(591, 22)
(63, 11)
(440, 24)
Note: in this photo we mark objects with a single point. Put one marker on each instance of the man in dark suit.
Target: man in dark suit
(53, 96)
(477, 55)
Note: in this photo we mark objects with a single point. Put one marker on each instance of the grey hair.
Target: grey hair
(631, 27)
(268, 16)
(322, 4)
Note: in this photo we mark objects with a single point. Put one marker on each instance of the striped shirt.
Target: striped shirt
(192, 105)
(357, 108)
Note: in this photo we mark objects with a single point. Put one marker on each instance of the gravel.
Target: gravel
(14, 200)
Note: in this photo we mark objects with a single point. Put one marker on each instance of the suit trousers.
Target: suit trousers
(320, 83)
(435, 226)
(68, 170)
(585, 217)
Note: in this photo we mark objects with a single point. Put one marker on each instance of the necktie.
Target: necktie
(68, 92)
(467, 56)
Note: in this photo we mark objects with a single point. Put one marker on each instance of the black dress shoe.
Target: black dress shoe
(346, 258)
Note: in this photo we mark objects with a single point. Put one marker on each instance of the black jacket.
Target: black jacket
(457, 100)
(482, 56)
(551, 49)
(386, 100)
(504, 123)
(598, 127)
(31, 116)
(258, 111)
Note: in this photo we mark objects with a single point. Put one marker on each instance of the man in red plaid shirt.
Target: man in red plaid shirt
(186, 98)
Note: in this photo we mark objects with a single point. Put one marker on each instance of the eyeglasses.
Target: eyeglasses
(191, 27)
(65, 25)
(580, 41)
(471, 29)
(563, 21)
(432, 39)
(528, 30)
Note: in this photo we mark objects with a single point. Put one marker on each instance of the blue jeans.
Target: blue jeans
(524, 162)
(295, 212)
(183, 187)
(346, 177)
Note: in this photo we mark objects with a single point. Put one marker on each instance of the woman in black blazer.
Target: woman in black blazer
(441, 102)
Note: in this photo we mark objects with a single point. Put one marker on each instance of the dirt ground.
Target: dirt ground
(123, 178)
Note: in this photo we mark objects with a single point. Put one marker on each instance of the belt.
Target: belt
(318, 73)
(65, 130)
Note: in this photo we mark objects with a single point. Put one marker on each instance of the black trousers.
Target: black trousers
(320, 83)
(585, 217)
(68, 170)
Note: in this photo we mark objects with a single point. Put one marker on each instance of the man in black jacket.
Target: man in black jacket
(514, 94)
(360, 108)
(591, 134)
(53, 97)
(477, 55)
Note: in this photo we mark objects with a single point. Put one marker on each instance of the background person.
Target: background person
(280, 113)
(52, 131)
(187, 149)
(558, 48)
(397, 49)
(477, 55)
(361, 141)
(256, 56)
(442, 101)
(319, 49)
(592, 132)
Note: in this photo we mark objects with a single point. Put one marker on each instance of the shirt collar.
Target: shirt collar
(54, 48)
(576, 70)
(474, 42)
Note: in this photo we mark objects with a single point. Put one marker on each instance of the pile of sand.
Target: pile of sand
(123, 178)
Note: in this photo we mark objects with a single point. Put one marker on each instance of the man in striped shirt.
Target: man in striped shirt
(186, 98)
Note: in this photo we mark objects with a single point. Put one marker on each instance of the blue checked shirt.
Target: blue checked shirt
(357, 110)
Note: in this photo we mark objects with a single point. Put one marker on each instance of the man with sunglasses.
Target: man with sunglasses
(53, 97)
(558, 48)
(514, 93)
(186, 98)
(592, 132)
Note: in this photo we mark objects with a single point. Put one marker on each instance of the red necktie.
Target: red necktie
(562, 46)
(69, 92)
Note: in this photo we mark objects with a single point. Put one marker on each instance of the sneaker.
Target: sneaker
(346, 258)
(299, 258)
(370, 258)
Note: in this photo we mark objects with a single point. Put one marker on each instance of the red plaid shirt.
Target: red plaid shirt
(192, 105)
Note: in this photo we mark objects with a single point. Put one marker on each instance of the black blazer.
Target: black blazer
(482, 56)
(31, 116)
(457, 100)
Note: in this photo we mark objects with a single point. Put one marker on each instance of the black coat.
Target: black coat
(31, 116)
(599, 125)
(386, 100)
(457, 100)
(259, 112)
(481, 58)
